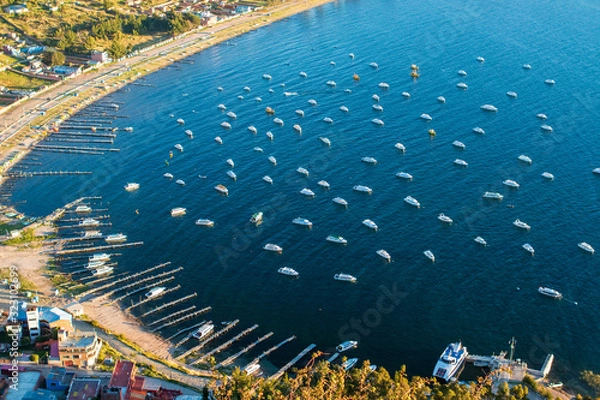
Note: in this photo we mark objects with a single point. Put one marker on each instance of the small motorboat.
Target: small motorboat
(586, 247)
(369, 160)
(384, 254)
(302, 221)
(278, 121)
(546, 128)
(526, 66)
(546, 291)
(331, 83)
(429, 255)
(344, 277)
(375, 98)
(218, 140)
(377, 121)
(246, 89)
(299, 113)
(267, 77)
(340, 201)
(479, 130)
(297, 128)
(231, 115)
(426, 117)
(400, 147)
(168, 175)
(349, 363)
(374, 65)
(303, 74)
(268, 179)
(222, 189)
(383, 85)
(480, 59)
(225, 125)
(328, 120)
(273, 247)
(189, 133)
(412, 201)
(179, 147)
(461, 163)
(180, 182)
(272, 160)
(529, 248)
(205, 222)
(512, 94)
(404, 175)
(230, 162)
(441, 99)
(325, 140)
(520, 224)
(480, 240)
(370, 224)
(258, 149)
(541, 116)
(347, 345)
(462, 72)
(307, 192)
(324, 184)
(549, 81)
(525, 159)
(462, 85)
(548, 175)
(344, 109)
(302, 171)
(232, 175)
(511, 183)
(270, 135)
(459, 144)
(377, 107)
(444, 218)
(312, 102)
(493, 195)
(178, 211)
(362, 188)
(222, 107)
(288, 271)
(336, 239)
(253, 129)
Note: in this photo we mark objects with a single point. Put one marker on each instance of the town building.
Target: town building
(78, 349)
(84, 389)
(59, 379)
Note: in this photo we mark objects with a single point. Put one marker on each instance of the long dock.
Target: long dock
(225, 345)
(169, 304)
(189, 335)
(144, 301)
(97, 248)
(148, 286)
(287, 366)
(246, 349)
(269, 351)
(184, 318)
(124, 279)
(44, 173)
(183, 331)
(144, 280)
(172, 315)
(210, 338)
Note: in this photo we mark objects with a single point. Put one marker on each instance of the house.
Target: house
(59, 379)
(244, 9)
(66, 71)
(84, 389)
(33, 321)
(75, 309)
(15, 9)
(208, 18)
(53, 318)
(34, 67)
(99, 56)
(78, 349)
(122, 380)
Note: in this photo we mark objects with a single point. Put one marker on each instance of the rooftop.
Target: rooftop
(84, 389)
(122, 374)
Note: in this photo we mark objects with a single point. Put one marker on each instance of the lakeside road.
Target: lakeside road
(96, 84)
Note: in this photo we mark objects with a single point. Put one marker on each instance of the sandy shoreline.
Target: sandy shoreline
(31, 261)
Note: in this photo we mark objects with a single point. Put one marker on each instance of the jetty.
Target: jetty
(144, 301)
(139, 282)
(145, 288)
(124, 279)
(97, 248)
(269, 351)
(246, 349)
(184, 318)
(189, 335)
(170, 304)
(225, 345)
(172, 315)
(210, 338)
(287, 366)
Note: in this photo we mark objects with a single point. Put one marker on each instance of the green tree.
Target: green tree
(592, 379)
(53, 58)
(34, 358)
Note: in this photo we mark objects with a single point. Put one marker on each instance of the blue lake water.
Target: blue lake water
(407, 311)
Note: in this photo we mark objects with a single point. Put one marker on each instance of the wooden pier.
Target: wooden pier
(246, 349)
(99, 217)
(100, 225)
(144, 301)
(145, 288)
(287, 366)
(166, 305)
(225, 345)
(189, 335)
(269, 351)
(124, 279)
(173, 315)
(44, 173)
(181, 319)
(210, 338)
(183, 331)
(97, 248)
(139, 282)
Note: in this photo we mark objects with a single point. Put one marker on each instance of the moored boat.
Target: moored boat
(179, 147)
(268, 179)
(384, 254)
(272, 160)
(253, 129)
(520, 224)
(104, 270)
(377, 121)
(130, 187)
(479, 130)
(203, 331)
(450, 362)
(347, 345)
(349, 363)
(462, 85)
(548, 175)
(370, 224)
(369, 160)
(302, 221)
(340, 201)
(232, 175)
(460, 162)
(361, 188)
(529, 248)
(412, 201)
(324, 184)
(429, 255)
(404, 175)
(489, 107)
(115, 238)
(493, 195)
(546, 128)
(511, 183)
(336, 239)
(222, 189)
(83, 209)
(586, 247)
(180, 182)
(155, 292)
(426, 117)
(99, 257)
(400, 147)
(444, 218)
(205, 222)
(273, 247)
(278, 121)
(344, 277)
(230, 162)
(325, 140)
(225, 125)
(177, 211)
(88, 222)
(168, 175)
(300, 113)
(257, 217)
(288, 271)
(302, 171)
(307, 192)
(270, 135)
(480, 240)
(546, 291)
(525, 159)
(459, 144)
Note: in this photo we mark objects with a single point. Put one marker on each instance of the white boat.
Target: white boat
(312, 102)
(180, 182)
(99, 257)
(450, 362)
(336, 239)
(331, 83)
(596, 170)
(462, 85)
(426, 117)
(325, 140)
(377, 121)
(302, 171)
(102, 271)
(512, 94)
(412, 201)
(586, 247)
(480, 240)
(328, 120)
(541, 116)
(95, 264)
(168, 175)
(230, 162)
(130, 187)
(462, 72)
(520, 224)
(374, 65)
(246, 89)
(115, 238)
(383, 85)
(205, 222)
(128, 129)
(270, 135)
(549, 81)
(429, 255)
(267, 77)
(288, 94)
(441, 99)
(273, 160)
(404, 175)
(180, 121)
(340, 201)
(344, 277)
(222, 189)
(526, 66)
(529, 248)
(459, 144)
(89, 222)
(444, 218)
(253, 369)
(257, 217)
(349, 363)
(351, 55)
(83, 209)
(302, 221)
(278, 121)
(489, 107)
(232, 175)
(268, 179)
(546, 291)
(361, 188)
(226, 125)
(525, 159)
(332, 63)
(288, 271)
(480, 59)
(546, 128)
(384, 254)
(479, 130)
(258, 149)
(253, 129)
(400, 147)
(460, 162)
(203, 331)
(347, 345)
(231, 115)
(370, 224)
(369, 160)
(347, 91)
(344, 109)
(375, 97)
(493, 195)
(297, 128)
(307, 192)
(299, 113)
(548, 175)
(177, 211)
(91, 235)
(273, 247)
(377, 107)
(155, 291)
(324, 184)
(222, 107)
(511, 183)
(303, 74)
